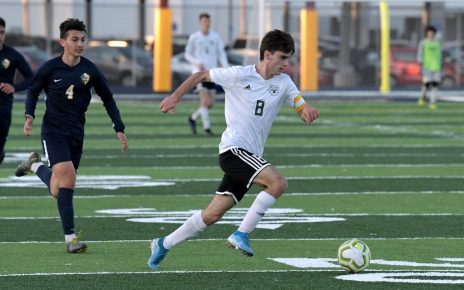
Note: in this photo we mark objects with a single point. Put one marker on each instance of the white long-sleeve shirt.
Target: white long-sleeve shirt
(205, 50)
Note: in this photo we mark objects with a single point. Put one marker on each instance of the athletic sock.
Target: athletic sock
(69, 238)
(66, 210)
(433, 95)
(196, 114)
(256, 212)
(43, 172)
(192, 227)
(205, 117)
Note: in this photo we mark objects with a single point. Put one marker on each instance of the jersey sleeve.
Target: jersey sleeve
(26, 71)
(103, 91)
(190, 50)
(225, 77)
(291, 93)
(38, 83)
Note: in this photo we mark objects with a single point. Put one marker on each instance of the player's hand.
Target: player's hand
(28, 126)
(309, 114)
(168, 104)
(123, 139)
(7, 88)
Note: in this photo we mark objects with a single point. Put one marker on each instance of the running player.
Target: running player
(67, 81)
(253, 97)
(205, 50)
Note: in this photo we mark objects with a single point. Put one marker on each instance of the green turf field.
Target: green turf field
(389, 173)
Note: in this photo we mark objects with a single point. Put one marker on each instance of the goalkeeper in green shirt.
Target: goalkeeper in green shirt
(429, 57)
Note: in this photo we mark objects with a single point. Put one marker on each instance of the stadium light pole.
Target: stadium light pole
(384, 48)
(48, 26)
(26, 17)
(162, 78)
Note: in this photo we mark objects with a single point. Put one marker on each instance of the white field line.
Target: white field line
(362, 214)
(210, 271)
(248, 194)
(286, 146)
(258, 240)
(277, 154)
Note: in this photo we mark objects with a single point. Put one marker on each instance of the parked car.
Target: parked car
(122, 64)
(405, 70)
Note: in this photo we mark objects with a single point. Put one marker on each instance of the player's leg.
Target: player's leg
(5, 122)
(209, 103)
(434, 84)
(423, 96)
(192, 119)
(195, 224)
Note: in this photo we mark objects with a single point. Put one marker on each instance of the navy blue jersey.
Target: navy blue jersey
(68, 94)
(10, 61)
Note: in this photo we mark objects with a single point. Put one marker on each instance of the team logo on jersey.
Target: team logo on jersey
(85, 78)
(247, 88)
(6, 63)
(273, 90)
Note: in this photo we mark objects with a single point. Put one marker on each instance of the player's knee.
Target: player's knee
(211, 217)
(279, 185)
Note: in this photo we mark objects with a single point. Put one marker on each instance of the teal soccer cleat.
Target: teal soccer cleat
(239, 241)
(158, 252)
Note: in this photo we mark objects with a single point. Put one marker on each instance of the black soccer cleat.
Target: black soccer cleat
(193, 125)
(209, 133)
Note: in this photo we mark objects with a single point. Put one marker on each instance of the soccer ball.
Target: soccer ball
(354, 255)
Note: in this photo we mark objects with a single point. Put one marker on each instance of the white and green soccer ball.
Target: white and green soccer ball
(354, 255)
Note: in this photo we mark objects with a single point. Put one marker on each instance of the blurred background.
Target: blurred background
(121, 36)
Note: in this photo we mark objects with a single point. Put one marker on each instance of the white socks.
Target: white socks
(204, 113)
(36, 166)
(433, 95)
(192, 227)
(69, 238)
(256, 212)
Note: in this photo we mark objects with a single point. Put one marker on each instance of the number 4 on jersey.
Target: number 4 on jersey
(70, 92)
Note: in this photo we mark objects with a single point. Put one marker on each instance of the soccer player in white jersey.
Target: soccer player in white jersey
(253, 97)
(204, 50)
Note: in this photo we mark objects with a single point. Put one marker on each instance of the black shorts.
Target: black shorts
(59, 148)
(240, 169)
(206, 86)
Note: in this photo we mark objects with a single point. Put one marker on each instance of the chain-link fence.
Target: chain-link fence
(240, 24)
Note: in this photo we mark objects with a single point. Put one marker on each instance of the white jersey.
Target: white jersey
(251, 105)
(206, 50)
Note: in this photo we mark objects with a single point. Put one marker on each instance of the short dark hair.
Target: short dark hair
(276, 40)
(204, 15)
(71, 24)
(430, 28)
(2, 22)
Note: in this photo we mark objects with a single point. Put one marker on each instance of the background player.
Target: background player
(253, 97)
(429, 57)
(10, 61)
(205, 50)
(67, 81)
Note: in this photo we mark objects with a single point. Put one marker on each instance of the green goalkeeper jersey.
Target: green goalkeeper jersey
(429, 55)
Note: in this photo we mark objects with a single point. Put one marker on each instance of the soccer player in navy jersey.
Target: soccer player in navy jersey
(67, 81)
(10, 61)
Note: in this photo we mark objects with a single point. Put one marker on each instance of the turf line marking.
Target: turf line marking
(258, 240)
(162, 272)
(248, 194)
(298, 215)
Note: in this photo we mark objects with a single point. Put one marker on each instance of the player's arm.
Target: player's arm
(38, 83)
(305, 111)
(102, 89)
(189, 50)
(24, 68)
(170, 102)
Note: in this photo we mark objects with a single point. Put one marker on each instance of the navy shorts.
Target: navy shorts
(206, 86)
(59, 148)
(240, 169)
